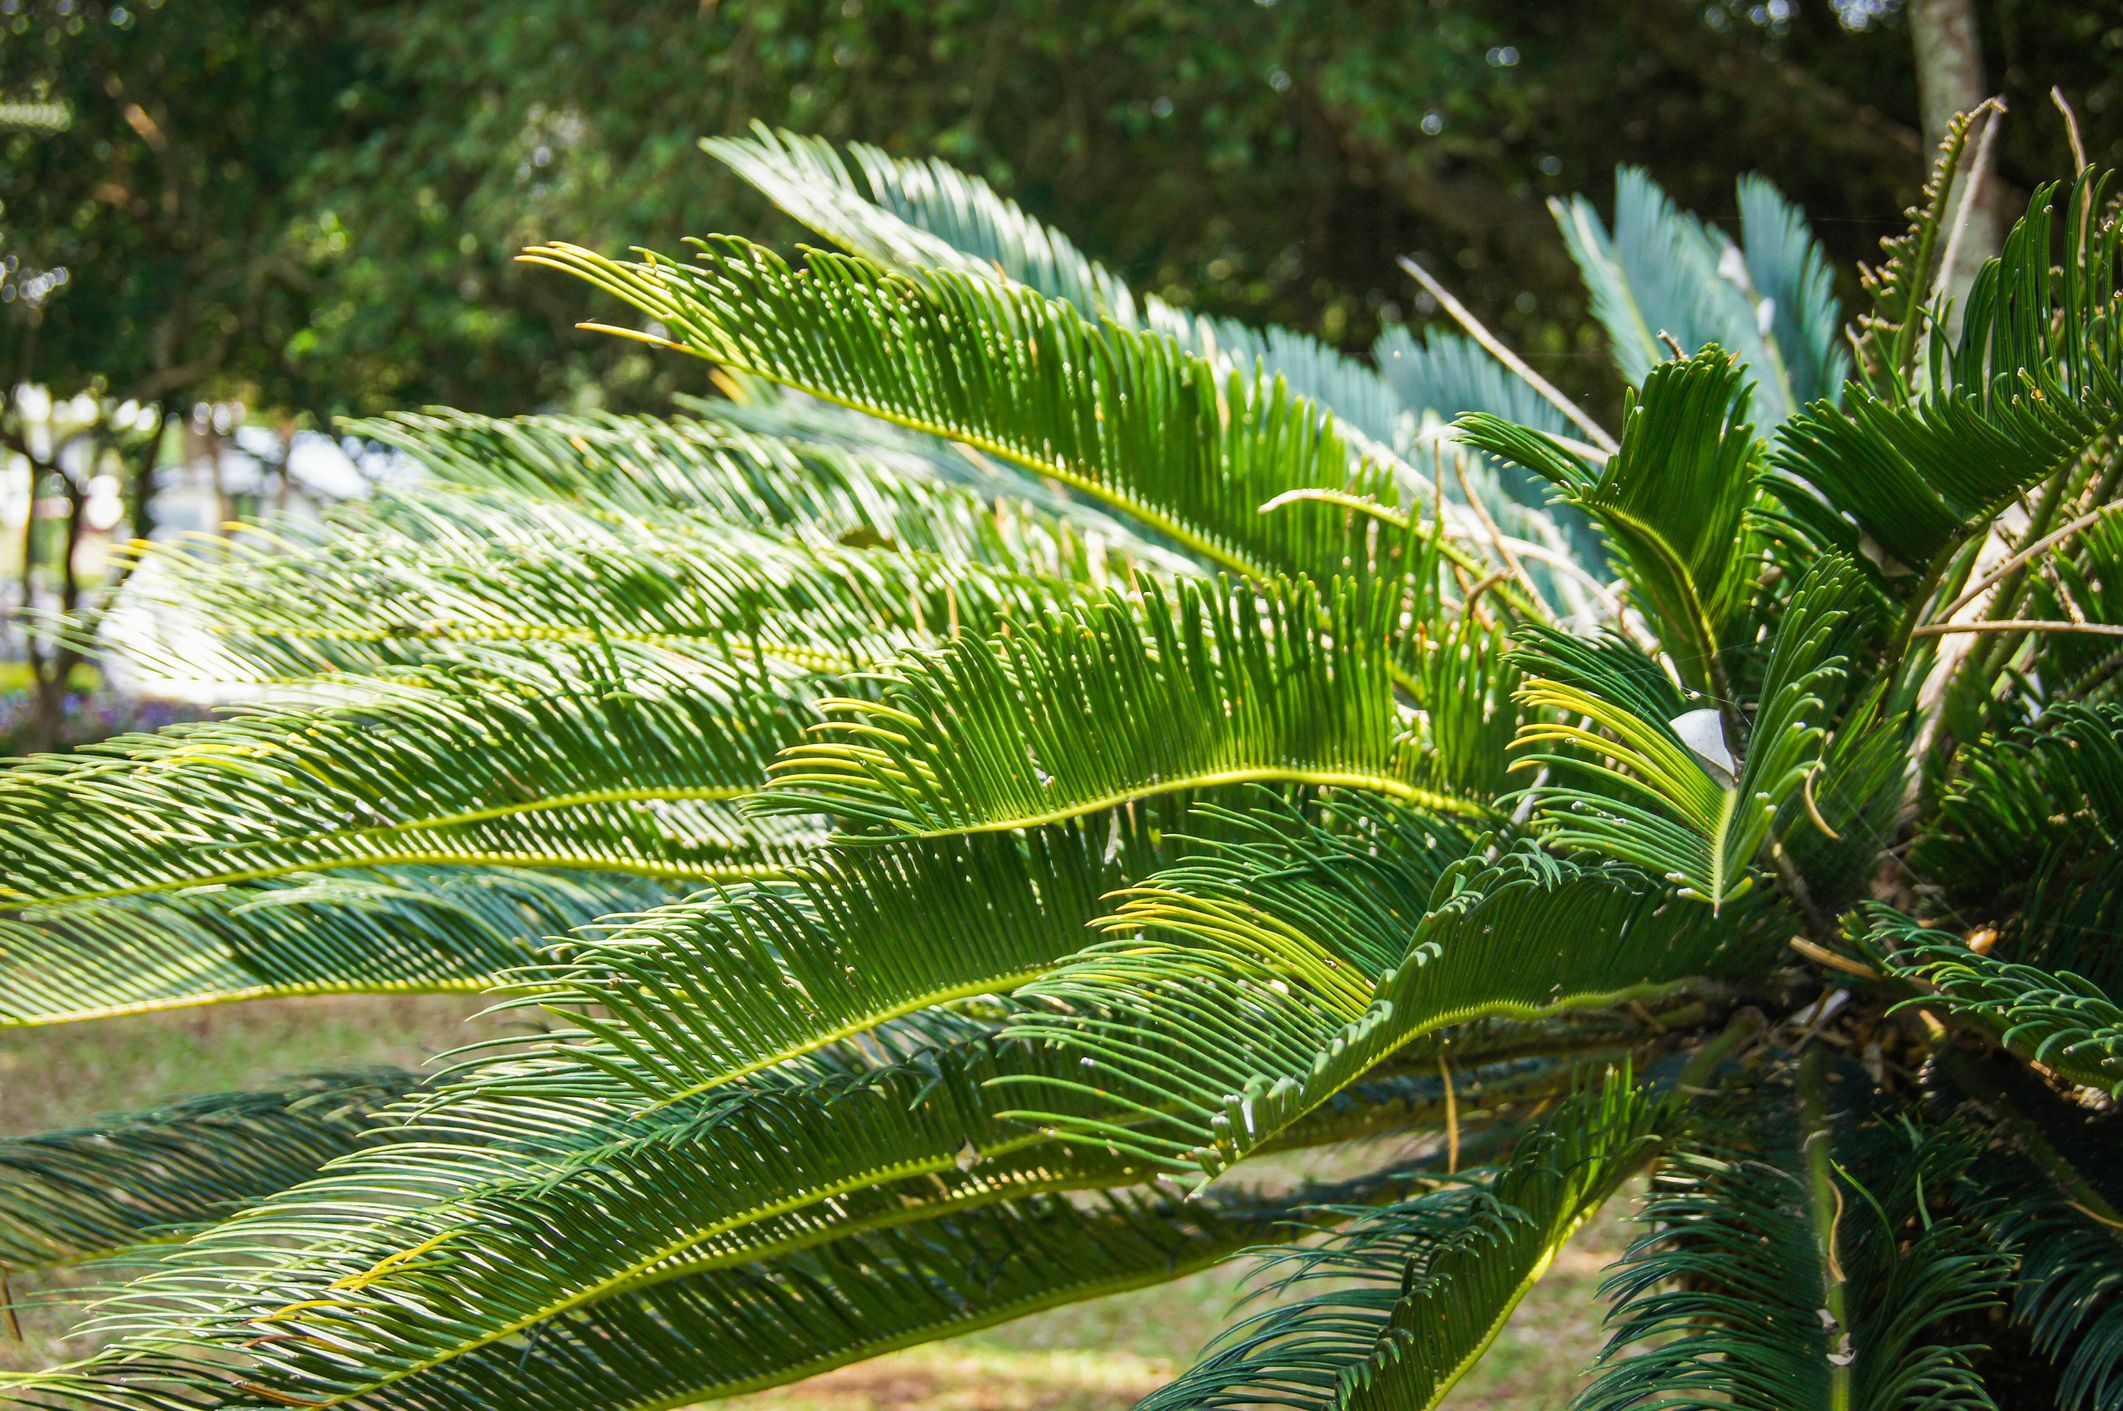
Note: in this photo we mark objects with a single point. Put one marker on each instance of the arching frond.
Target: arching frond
(1209, 1022)
(1654, 799)
(618, 760)
(1665, 272)
(853, 939)
(389, 931)
(1098, 707)
(724, 1332)
(421, 575)
(2034, 382)
(152, 1175)
(2061, 1021)
(920, 215)
(1674, 498)
(916, 216)
(1409, 1297)
(653, 465)
(582, 1196)
(1791, 1263)
(1147, 429)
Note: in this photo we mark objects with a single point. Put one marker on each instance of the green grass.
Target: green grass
(1091, 1357)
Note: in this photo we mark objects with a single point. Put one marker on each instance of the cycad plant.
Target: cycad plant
(946, 806)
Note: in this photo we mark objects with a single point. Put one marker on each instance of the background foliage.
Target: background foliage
(314, 206)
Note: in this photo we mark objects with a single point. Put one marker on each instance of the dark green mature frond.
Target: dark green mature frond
(417, 575)
(581, 1196)
(91, 1190)
(391, 931)
(1794, 1259)
(1650, 797)
(728, 1331)
(618, 760)
(914, 217)
(1674, 498)
(1124, 700)
(761, 1325)
(2026, 838)
(2068, 1287)
(2062, 1021)
(1129, 419)
(1213, 1020)
(2034, 382)
(853, 939)
(1393, 1309)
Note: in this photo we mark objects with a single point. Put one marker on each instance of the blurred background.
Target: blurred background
(224, 223)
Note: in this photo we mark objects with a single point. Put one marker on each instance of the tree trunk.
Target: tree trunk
(1949, 58)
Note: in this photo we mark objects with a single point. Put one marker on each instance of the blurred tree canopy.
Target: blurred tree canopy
(315, 206)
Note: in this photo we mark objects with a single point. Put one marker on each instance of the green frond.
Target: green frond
(1665, 271)
(417, 575)
(1132, 420)
(1649, 796)
(583, 1196)
(2068, 1284)
(1674, 498)
(122, 1181)
(725, 1332)
(2061, 1021)
(1889, 336)
(1092, 709)
(2034, 382)
(1410, 1296)
(822, 491)
(918, 216)
(617, 760)
(401, 930)
(1794, 1259)
(762, 1325)
(854, 938)
(1214, 1019)
(2026, 835)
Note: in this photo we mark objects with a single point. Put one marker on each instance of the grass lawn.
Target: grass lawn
(1090, 1357)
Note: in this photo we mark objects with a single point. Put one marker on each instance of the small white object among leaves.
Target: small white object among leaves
(1703, 731)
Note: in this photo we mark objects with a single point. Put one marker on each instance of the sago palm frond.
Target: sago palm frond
(1789, 1261)
(1412, 1294)
(1642, 793)
(1157, 434)
(154, 1175)
(1219, 1022)
(397, 930)
(2061, 1021)
(619, 760)
(1023, 752)
(1096, 708)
